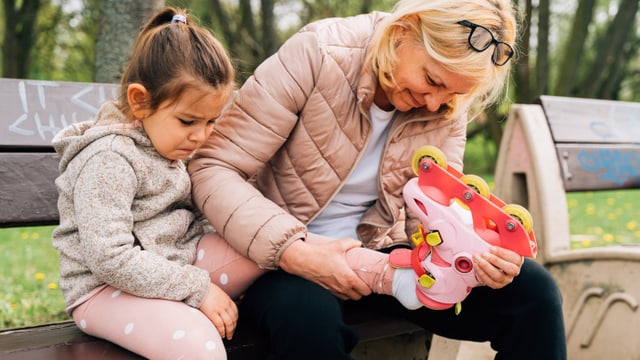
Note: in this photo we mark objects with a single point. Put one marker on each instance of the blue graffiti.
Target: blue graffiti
(614, 165)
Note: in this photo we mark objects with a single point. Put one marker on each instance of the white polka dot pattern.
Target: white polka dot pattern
(210, 345)
(224, 279)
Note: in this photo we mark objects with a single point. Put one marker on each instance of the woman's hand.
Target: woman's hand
(221, 310)
(324, 263)
(497, 267)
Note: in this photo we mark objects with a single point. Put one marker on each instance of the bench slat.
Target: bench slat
(33, 111)
(591, 120)
(27, 190)
(599, 167)
(65, 341)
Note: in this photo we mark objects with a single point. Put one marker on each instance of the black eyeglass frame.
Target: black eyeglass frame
(495, 42)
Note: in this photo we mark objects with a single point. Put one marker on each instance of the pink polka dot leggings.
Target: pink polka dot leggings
(165, 329)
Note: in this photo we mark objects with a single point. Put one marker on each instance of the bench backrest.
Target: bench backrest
(32, 113)
(597, 142)
(561, 145)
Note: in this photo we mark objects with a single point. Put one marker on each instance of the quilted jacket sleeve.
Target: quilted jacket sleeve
(259, 121)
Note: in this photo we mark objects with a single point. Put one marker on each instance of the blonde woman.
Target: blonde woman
(310, 160)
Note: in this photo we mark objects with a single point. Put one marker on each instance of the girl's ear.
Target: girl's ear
(138, 98)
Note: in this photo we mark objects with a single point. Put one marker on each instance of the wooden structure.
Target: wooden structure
(562, 145)
(33, 112)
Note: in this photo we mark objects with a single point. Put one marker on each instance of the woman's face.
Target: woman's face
(420, 81)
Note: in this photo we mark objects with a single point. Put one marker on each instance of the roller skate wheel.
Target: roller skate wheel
(477, 183)
(431, 152)
(521, 214)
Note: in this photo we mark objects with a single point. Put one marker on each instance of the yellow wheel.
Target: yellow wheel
(521, 214)
(477, 183)
(431, 152)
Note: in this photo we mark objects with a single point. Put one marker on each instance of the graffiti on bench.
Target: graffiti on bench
(34, 111)
(611, 164)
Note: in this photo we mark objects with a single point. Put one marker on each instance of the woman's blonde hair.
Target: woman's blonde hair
(434, 23)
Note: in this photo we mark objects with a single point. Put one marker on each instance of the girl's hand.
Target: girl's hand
(221, 310)
(497, 267)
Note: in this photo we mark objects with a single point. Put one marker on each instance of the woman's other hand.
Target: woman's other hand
(497, 267)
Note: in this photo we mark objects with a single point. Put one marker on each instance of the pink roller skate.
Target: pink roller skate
(444, 243)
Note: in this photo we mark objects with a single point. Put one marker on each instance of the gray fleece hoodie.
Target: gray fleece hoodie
(126, 215)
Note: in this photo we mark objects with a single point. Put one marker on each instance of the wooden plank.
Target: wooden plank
(599, 167)
(27, 189)
(592, 120)
(57, 341)
(65, 341)
(33, 111)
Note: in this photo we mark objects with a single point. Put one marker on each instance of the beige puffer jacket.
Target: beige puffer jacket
(293, 135)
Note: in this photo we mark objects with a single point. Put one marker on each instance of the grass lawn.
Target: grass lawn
(604, 218)
(29, 292)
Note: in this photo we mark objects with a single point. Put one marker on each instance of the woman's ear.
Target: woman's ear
(138, 98)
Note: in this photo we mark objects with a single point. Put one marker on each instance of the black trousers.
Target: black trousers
(302, 320)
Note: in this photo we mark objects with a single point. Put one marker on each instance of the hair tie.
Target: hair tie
(179, 18)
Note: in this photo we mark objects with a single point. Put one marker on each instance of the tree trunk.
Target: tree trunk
(522, 75)
(269, 37)
(19, 39)
(610, 53)
(567, 74)
(542, 59)
(619, 71)
(120, 22)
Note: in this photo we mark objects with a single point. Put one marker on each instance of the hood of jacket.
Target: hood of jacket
(108, 121)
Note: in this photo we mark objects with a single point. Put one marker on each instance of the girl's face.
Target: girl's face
(178, 128)
(420, 81)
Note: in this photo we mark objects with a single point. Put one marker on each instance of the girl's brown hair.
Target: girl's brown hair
(171, 55)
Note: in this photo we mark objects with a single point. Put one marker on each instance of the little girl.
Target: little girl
(137, 264)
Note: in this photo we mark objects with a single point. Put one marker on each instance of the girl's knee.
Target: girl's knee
(194, 344)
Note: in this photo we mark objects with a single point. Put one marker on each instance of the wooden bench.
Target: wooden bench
(563, 145)
(33, 112)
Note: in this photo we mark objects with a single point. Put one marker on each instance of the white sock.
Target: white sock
(404, 288)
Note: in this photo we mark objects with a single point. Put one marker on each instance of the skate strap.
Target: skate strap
(400, 258)
(410, 258)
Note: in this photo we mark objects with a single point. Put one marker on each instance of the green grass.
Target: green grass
(604, 218)
(29, 291)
